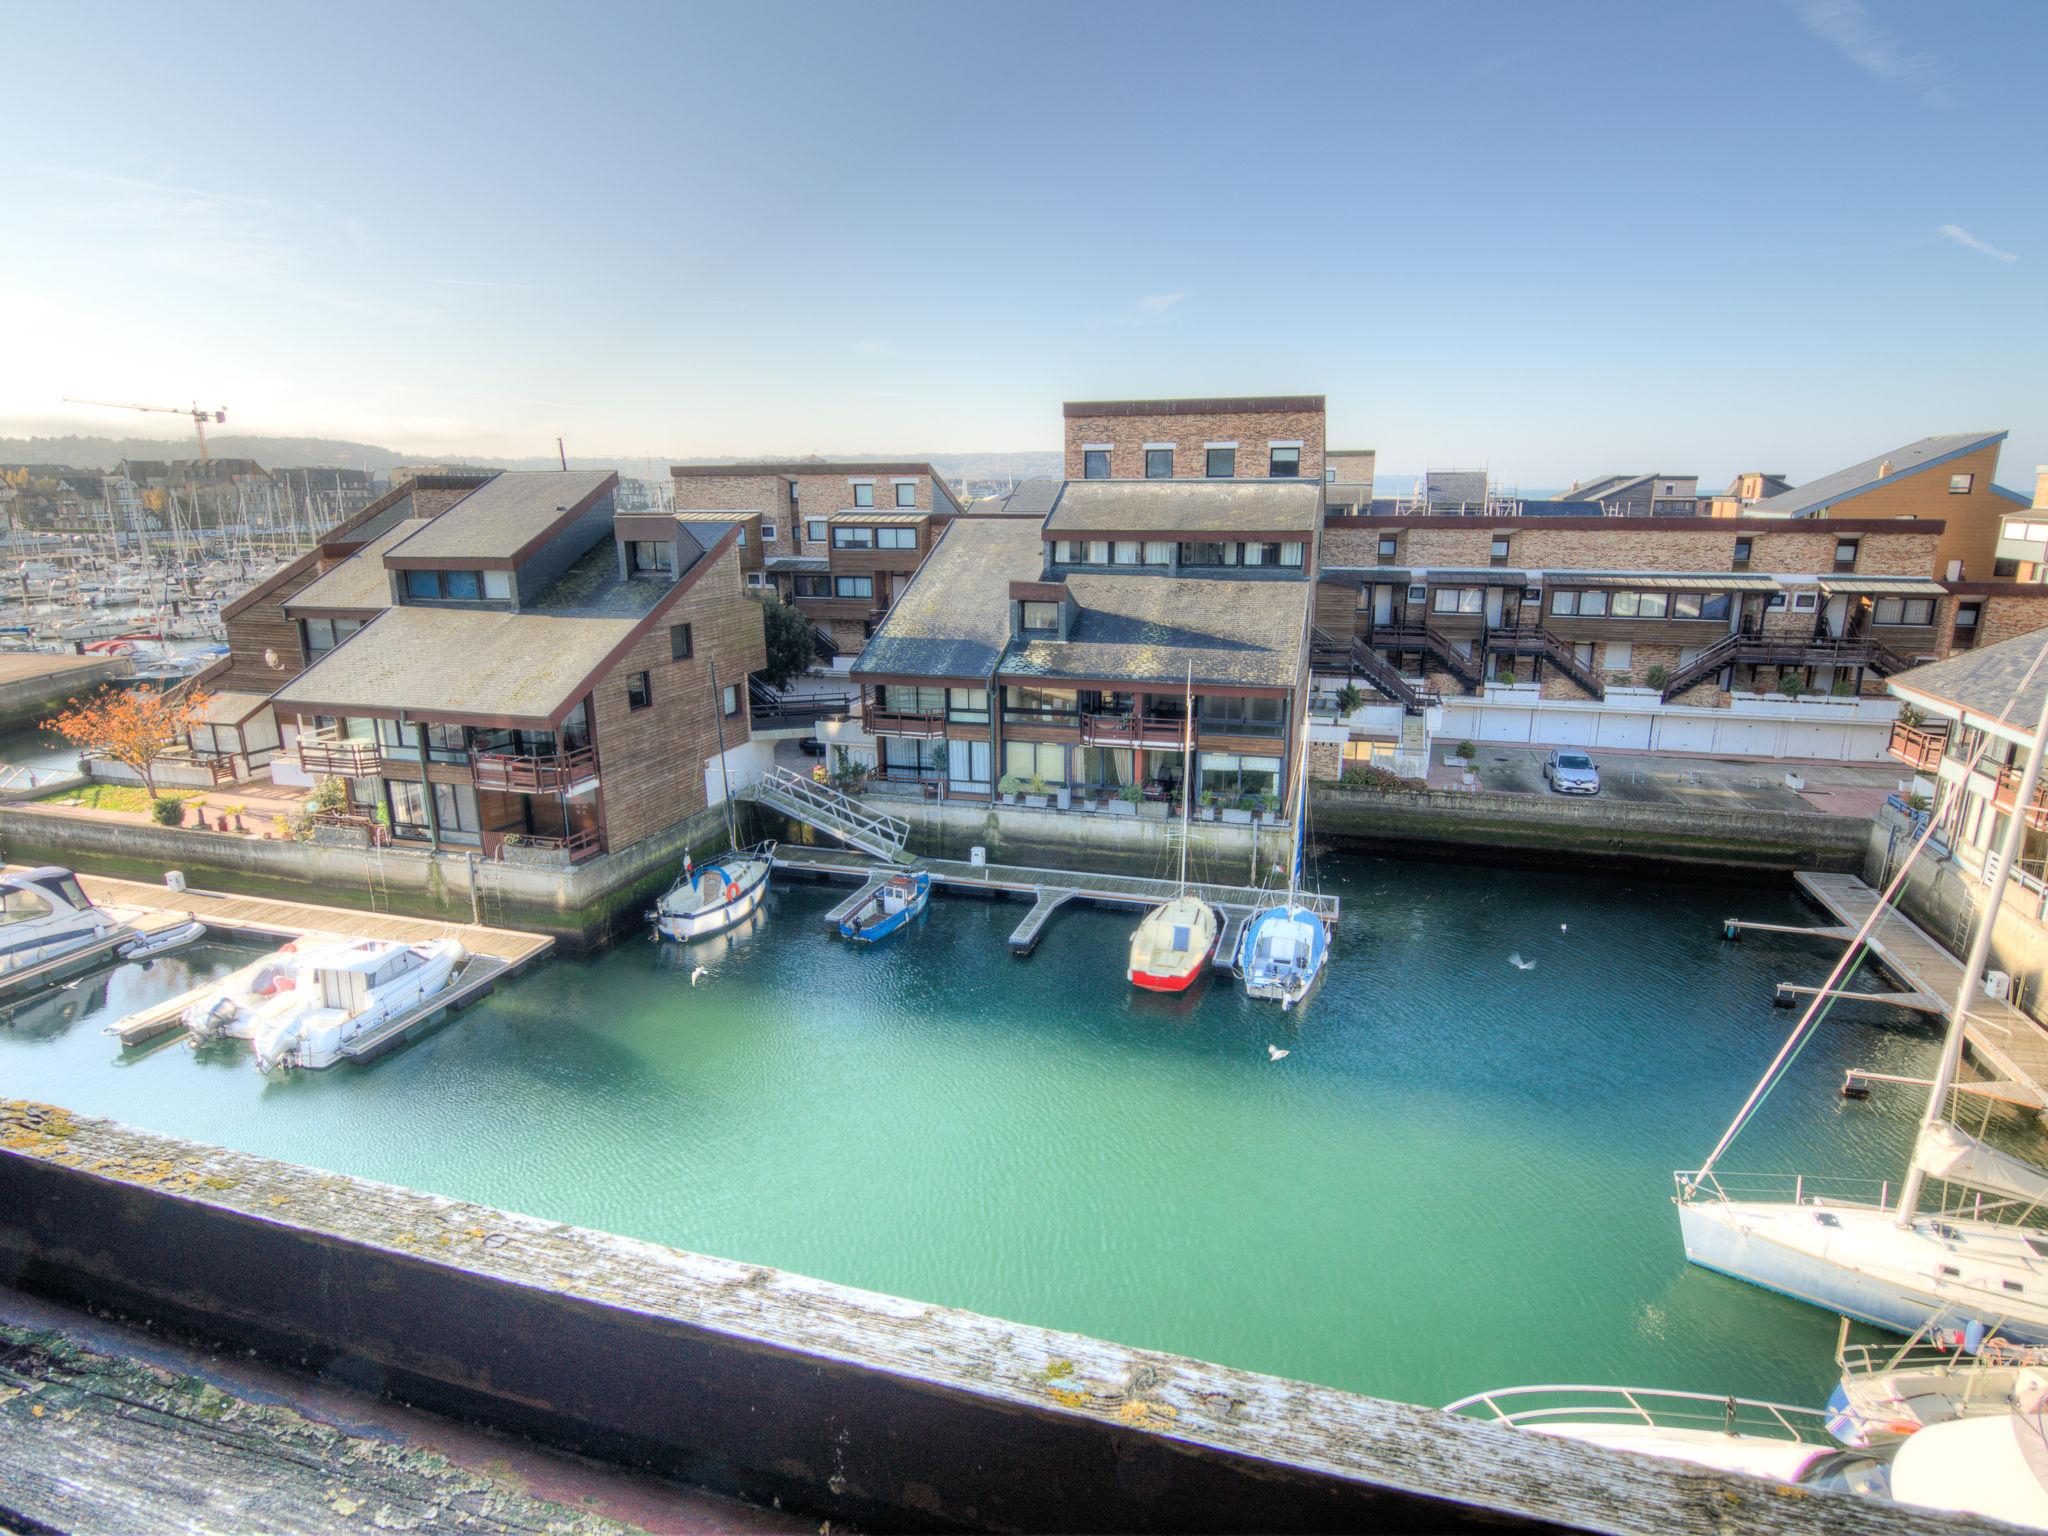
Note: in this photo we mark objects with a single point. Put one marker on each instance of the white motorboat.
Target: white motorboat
(1995, 1466)
(345, 992)
(1938, 1376)
(45, 915)
(1868, 1251)
(230, 1008)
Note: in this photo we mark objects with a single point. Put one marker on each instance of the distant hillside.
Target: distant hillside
(334, 453)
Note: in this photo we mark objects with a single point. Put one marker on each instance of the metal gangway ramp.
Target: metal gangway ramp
(818, 805)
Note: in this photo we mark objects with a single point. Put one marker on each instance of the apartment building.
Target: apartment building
(839, 540)
(514, 666)
(2022, 552)
(1263, 437)
(1744, 491)
(1058, 650)
(1661, 494)
(1950, 478)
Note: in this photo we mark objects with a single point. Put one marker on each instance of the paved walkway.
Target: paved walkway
(1657, 778)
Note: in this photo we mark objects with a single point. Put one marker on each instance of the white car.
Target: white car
(1570, 772)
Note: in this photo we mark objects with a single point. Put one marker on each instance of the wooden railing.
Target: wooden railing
(1919, 746)
(578, 845)
(374, 832)
(1132, 731)
(2008, 788)
(523, 773)
(325, 752)
(905, 722)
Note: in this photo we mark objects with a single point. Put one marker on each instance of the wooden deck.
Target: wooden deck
(2005, 1040)
(1047, 890)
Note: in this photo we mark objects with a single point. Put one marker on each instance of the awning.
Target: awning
(1882, 586)
(232, 708)
(891, 519)
(1484, 576)
(1365, 575)
(1661, 582)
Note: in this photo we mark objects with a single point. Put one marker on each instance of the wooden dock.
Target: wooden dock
(494, 953)
(2005, 1041)
(134, 925)
(1047, 890)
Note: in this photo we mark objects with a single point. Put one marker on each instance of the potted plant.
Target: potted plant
(1037, 793)
(1468, 751)
(1238, 810)
(1658, 677)
(1063, 796)
(1350, 699)
(1207, 805)
(1845, 688)
(940, 759)
(1505, 677)
(1269, 806)
(1010, 787)
(1791, 684)
(234, 811)
(1127, 798)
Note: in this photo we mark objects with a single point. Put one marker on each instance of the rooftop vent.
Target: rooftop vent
(1884, 469)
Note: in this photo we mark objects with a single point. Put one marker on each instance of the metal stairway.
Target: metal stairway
(1541, 643)
(818, 805)
(1469, 670)
(1362, 661)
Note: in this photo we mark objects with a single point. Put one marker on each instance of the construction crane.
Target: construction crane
(199, 417)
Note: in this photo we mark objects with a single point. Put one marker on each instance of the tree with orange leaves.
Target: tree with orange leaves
(134, 726)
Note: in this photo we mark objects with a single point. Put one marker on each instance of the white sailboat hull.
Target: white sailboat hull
(1857, 1261)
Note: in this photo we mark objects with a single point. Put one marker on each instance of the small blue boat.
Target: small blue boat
(889, 909)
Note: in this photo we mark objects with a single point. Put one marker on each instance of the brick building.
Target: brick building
(1250, 438)
(504, 663)
(1661, 494)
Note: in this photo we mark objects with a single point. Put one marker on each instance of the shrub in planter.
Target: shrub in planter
(1505, 677)
(1845, 688)
(1010, 786)
(1350, 699)
(1131, 794)
(1370, 776)
(1658, 677)
(1791, 685)
(167, 811)
(1270, 804)
(1467, 750)
(1208, 804)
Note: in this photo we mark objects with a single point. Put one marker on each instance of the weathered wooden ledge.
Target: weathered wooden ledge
(846, 1403)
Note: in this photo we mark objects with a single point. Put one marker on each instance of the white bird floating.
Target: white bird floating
(1274, 1053)
(1520, 964)
(1564, 928)
(698, 975)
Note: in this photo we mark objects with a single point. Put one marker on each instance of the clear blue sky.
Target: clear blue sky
(1554, 239)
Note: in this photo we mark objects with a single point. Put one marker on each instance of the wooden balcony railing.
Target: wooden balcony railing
(2008, 782)
(325, 752)
(1919, 746)
(522, 773)
(372, 831)
(1132, 731)
(507, 846)
(905, 722)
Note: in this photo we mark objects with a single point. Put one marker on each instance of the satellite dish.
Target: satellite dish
(272, 660)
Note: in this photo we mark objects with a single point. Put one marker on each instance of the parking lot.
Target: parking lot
(1834, 789)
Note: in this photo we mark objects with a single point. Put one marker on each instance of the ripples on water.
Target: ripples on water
(1459, 1178)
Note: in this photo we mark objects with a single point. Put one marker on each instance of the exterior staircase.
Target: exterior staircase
(1750, 648)
(1468, 670)
(1551, 650)
(823, 646)
(1362, 661)
(821, 806)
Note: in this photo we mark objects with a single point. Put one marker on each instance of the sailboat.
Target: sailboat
(1885, 1263)
(1177, 937)
(1282, 950)
(725, 891)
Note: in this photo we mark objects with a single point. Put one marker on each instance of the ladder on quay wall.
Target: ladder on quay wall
(373, 874)
(818, 805)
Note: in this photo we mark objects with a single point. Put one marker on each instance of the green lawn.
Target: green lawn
(111, 797)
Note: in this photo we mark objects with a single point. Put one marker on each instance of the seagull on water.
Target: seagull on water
(698, 975)
(1519, 963)
(1274, 1053)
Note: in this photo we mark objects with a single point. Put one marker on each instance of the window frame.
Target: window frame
(1094, 460)
(680, 642)
(1209, 456)
(1273, 463)
(906, 493)
(864, 494)
(1969, 482)
(1156, 454)
(640, 683)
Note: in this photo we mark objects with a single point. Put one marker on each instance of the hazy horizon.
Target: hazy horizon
(1808, 238)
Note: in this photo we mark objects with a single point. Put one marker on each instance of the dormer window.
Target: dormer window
(458, 586)
(1041, 618)
(645, 557)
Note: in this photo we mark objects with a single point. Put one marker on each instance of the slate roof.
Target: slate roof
(1188, 506)
(1147, 628)
(1983, 681)
(953, 620)
(1030, 498)
(498, 519)
(1817, 495)
(483, 664)
(360, 582)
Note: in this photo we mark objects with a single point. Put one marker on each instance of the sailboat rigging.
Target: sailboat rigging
(727, 890)
(1177, 937)
(1282, 950)
(1881, 1262)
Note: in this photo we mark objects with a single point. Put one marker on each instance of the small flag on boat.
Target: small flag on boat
(688, 863)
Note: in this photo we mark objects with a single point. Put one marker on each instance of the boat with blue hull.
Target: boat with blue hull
(891, 909)
(1281, 952)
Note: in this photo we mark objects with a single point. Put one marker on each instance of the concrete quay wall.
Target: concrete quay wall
(37, 693)
(844, 1404)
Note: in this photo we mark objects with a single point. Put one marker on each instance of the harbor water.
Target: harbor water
(1458, 1177)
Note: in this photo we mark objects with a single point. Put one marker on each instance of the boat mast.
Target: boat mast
(1973, 965)
(1300, 803)
(732, 836)
(1187, 776)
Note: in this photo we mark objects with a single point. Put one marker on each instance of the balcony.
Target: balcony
(521, 773)
(1132, 731)
(326, 752)
(905, 722)
(2008, 787)
(539, 851)
(1919, 746)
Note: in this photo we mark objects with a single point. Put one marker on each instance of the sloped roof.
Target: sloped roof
(1149, 628)
(1818, 495)
(360, 583)
(1985, 681)
(1029, 498)
(953, 620)
(1188, 506)
(506, 515)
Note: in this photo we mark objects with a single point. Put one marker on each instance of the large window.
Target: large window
(906, 493)
(323, 635)
(1458, 600)
(1242, 717)
(853, 538)
(1026, 705)
(1108, 768)
(1903, 610)
(1845, 554)
(646, 555)
(463, 586)
(1205, 553)
(895, 538)
(1028, 760)
(1095, 464)
(805, 585)
(457, 586)
(1041, 618)
(1283, 463)
(1158, 463)
(969, 706)
(853, 586)
(1229, 776)
(909, 699)
(1220, 463)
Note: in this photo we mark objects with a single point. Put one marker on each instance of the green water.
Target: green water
(1459, 1178)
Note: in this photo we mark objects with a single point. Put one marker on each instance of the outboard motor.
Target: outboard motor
(210, 1021)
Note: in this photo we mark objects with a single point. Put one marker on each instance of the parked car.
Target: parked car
(1571, 772)
(810, 746)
